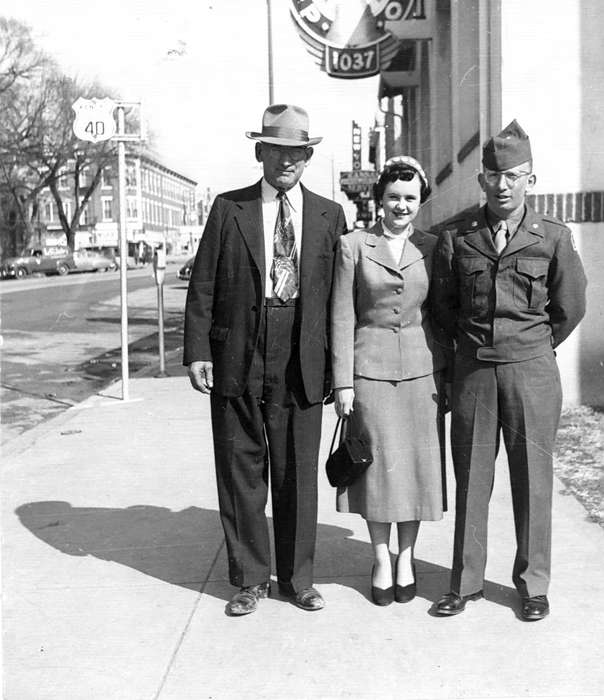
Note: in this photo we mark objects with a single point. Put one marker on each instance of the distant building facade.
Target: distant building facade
(160, 207)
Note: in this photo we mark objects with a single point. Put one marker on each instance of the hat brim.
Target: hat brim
(281, 141)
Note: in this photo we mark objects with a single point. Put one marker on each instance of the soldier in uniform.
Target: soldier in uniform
(508, 288)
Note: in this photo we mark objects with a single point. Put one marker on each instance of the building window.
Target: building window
(131, 208)
(84, 176)
(106, 177)
(84, 216)
(63, 181)
(130, 175)
(48, 212)
(67, 210)
(107, 208)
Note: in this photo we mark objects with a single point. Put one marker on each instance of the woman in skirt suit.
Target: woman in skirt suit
(388, 374)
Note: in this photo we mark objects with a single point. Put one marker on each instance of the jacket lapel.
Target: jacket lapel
(378, 249)
(529, 232)
(414, 250)
(249, 221)
(478, 236)
(314, 225)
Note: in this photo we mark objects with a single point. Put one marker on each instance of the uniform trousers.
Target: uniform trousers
(270, 430)
(522, 400)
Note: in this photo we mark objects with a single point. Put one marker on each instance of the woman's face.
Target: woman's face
(401, 202)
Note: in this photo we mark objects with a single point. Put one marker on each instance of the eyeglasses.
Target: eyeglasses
(493, 176)
(294, 153)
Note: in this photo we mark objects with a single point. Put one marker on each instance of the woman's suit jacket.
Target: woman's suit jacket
(380, 324)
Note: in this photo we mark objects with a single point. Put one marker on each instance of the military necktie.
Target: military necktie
(285, 266)
(501, 236)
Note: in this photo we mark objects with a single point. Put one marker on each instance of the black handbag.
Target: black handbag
(349, 460)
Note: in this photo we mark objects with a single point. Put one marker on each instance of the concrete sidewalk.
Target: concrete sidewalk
(115, 581)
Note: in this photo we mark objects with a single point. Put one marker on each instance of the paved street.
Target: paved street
(61, 338)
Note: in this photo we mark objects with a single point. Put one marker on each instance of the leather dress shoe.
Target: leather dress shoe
(307, 599)
(534, 608)
(245, 601)
(381, 596)
(404, 594)
(453, 604)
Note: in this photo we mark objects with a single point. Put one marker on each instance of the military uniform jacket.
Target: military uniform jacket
(512, 307)
(380, 323)
(226, 289)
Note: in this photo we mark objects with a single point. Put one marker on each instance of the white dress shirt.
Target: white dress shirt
(270, 210)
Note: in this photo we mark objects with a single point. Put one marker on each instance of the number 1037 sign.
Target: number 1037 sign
(94, 119)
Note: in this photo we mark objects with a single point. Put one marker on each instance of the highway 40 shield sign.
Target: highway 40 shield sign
(94, 119)
(348, 38)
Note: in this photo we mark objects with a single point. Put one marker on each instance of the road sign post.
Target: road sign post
(159, 271)
(94, 122)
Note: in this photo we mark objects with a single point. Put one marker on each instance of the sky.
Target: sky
(200, 70)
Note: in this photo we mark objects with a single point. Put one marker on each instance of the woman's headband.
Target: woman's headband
(411, 162)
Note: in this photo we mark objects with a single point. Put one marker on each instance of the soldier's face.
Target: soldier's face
(505, 189)
(283, 165)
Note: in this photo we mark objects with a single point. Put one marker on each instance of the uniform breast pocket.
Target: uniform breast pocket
(474, 278)
(530, 282)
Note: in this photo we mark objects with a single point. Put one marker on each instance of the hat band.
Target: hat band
(284, 133)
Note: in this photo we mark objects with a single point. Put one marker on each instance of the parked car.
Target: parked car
(185, 271)
(94, 258)
(56, 260)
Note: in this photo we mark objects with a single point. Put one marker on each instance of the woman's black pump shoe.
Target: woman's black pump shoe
(381, 596)
(404, 594)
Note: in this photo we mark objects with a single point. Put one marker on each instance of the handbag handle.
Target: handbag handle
(341, 425)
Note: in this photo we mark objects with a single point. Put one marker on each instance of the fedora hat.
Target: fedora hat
(284, 125)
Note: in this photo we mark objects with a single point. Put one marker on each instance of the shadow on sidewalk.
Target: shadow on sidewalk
(182, 547)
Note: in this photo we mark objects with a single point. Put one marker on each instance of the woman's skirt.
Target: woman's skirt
(403, 424)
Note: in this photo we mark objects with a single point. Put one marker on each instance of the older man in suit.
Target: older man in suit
(256, 340)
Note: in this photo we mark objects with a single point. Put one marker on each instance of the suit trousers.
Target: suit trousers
(522, 400)
(271, 430)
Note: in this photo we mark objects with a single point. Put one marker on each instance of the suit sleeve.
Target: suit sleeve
(444, 301)
(343, 317)
(566, 289)
(200, 295)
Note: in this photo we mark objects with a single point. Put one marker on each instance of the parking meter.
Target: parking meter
(159, 265)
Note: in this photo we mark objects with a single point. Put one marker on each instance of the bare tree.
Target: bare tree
(37, 143)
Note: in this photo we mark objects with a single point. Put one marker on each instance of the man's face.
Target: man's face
(283, 165)
(505, 190)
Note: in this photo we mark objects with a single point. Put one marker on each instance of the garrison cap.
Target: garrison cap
(509, 148)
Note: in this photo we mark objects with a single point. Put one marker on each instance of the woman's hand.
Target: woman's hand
(344, 398)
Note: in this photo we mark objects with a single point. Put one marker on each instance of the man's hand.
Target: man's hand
(344, 398)
(200, 376)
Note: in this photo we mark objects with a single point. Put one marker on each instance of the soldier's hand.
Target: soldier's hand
(201, 376)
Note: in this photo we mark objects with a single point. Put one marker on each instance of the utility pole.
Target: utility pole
(271, 96)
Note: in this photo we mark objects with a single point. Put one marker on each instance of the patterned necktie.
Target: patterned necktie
(285, 266)
(501, 237)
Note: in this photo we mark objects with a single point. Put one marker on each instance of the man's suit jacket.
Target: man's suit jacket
(380, 321)
(226, 289)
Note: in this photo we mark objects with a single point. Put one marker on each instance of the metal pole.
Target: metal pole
(271, 97)
(121, 162)
(160, 331)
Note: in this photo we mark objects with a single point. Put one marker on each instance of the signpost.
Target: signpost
(159, 271)
(94, 122)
